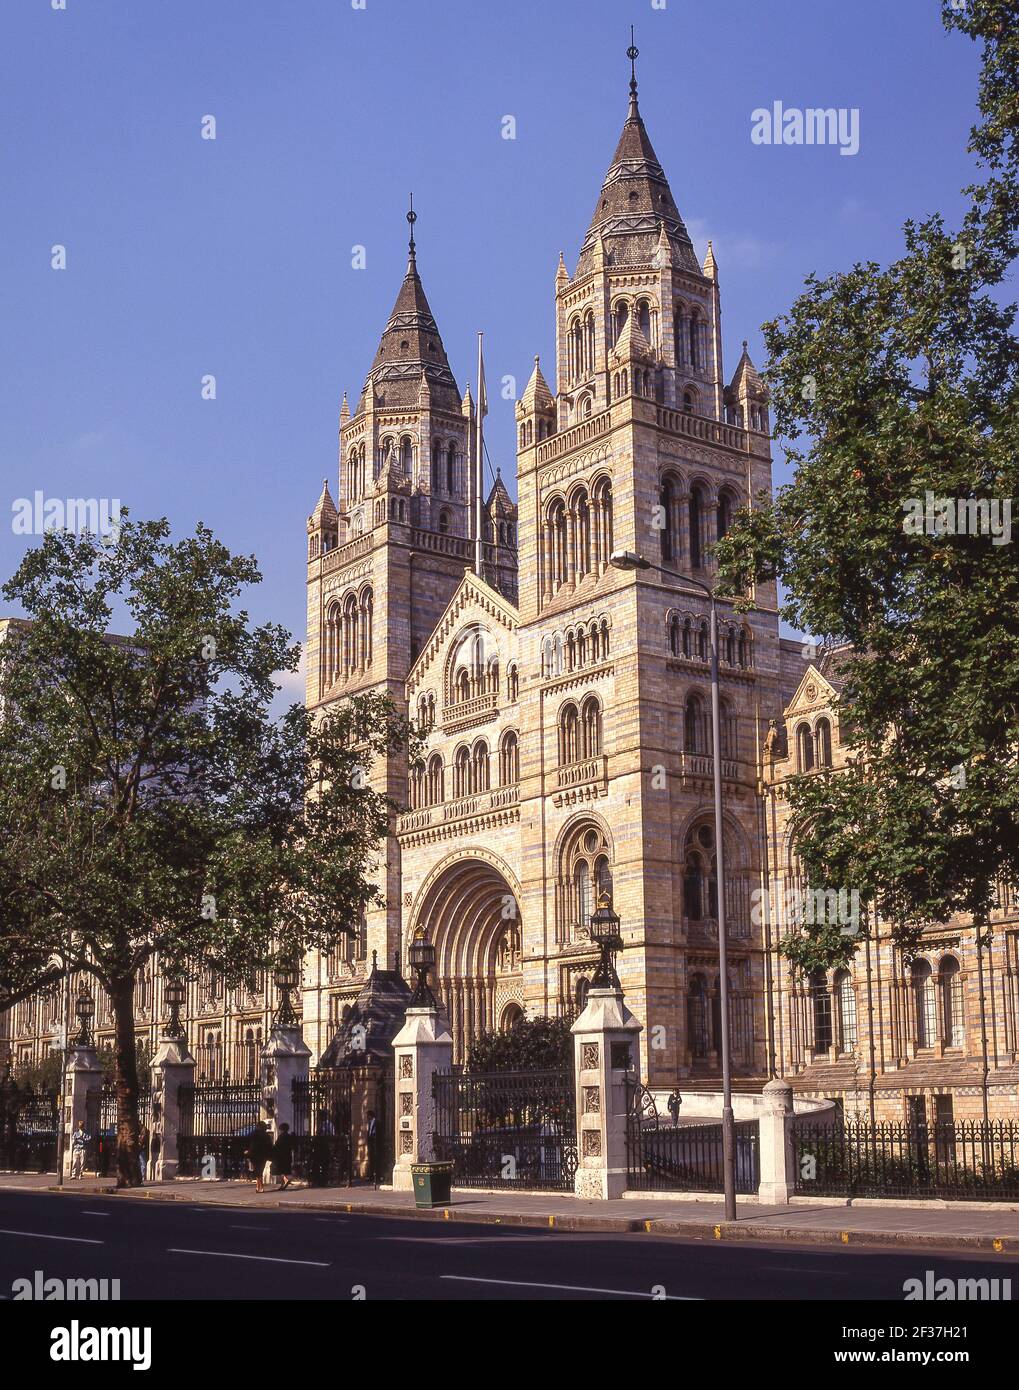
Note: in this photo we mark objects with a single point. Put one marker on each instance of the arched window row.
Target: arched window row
(813, 745)
(355, 482)
(938, 1010)
(644, 309)
(690, 519)
(689, 637)
(833, 1012)
(642, 381)
(704, 1017)
(545, 430)
(583, 873)
(426, 711)
(576, 537)
(447, 468)
(509, 759)
(700, 881)
(475, 668)
(691, 336)
(697, 737)
(734, 415)
(587, 644)
(347, 649)
(471, 769)
(580, 731)
(580, 347)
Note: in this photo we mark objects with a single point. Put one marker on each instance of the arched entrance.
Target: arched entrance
(471, 912)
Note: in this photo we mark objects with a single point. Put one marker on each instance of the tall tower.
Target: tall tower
(385, 558)
(641, 449)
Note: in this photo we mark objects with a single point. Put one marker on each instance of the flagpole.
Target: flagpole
(480, 475)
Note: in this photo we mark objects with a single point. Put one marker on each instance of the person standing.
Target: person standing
(674, 1102)
(258, 1153)
(143, 1150)
(79, 1144)
(283, 1157)
(372, 1145)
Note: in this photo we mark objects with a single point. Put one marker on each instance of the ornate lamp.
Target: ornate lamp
(84, 1009)
(605, 935)
(174, 994)
(421, 955)
(288, 977)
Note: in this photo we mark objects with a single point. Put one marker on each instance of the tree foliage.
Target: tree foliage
(149, 803)
(895, 390)
(534, 1044)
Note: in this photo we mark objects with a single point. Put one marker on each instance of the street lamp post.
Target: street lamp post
(628, 560)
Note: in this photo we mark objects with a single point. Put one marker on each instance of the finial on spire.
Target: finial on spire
(412, 217)
(633, 52)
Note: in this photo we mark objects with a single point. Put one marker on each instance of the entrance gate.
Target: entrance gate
(683, 1157)
(101, 1126)
(28, 1129)
(216, 1120)
(331, 1125)
(507, 1129)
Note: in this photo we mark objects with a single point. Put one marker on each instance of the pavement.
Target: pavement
(957, 1226)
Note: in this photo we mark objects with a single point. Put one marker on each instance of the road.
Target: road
(182, 1251)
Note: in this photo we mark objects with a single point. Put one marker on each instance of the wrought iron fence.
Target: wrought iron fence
(688, 1158)
(331, 1125)
(507, 1129)
(101, 1127)
(28, 1129)
(216, 1119)
(964, 1160)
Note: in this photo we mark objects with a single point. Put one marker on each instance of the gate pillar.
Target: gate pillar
(422, 1046)
(286, 1058)
(82, 1074)
(777, 1151)
(605, 1051)
(172, 1067)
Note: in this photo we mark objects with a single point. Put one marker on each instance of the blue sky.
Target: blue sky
(233, 257)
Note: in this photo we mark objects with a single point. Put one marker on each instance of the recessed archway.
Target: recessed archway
(472, 916)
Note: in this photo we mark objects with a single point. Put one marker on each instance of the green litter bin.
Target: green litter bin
(432, 1182)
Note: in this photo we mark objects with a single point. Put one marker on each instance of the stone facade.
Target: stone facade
(565, 705)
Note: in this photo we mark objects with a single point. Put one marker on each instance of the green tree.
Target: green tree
(534, 1044)
(893, 388)
(149, 803)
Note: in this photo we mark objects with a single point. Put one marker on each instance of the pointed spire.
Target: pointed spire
(635, 200)
(537, 396)
(562, 274)
(633, 53)
(344, 411)
(467, 404)
(711, 266)
(325, 508)
(410, 344)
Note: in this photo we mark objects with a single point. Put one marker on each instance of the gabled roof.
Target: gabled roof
(325, 508)
(499, 501)
(824, 693)
(471, 592)
(631, 344)
(635, 203)
(379, 1010)
(411, 345)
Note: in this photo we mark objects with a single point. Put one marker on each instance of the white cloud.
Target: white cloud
(732, 252)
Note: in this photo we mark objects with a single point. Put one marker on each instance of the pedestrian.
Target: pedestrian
(79, 1143)
(674, 1102)
(143, 1150)
(258, 1153)
(321, 1151)
(283, 1157)
(372, 1145)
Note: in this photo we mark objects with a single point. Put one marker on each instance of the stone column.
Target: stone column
(605, 1038)
(285, 1058)
(82, 1074)
(777, 1151)
(421, 1047)
(172, 1067)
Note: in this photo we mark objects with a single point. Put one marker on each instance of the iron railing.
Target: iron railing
(688, 1158)
(507, 1129)
(101, 1127)
(216, 1120)
(961, 1160)
(331, 1125)
(28, 1129)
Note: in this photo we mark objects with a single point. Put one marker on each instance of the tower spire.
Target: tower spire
(633, 52)
(412, 217)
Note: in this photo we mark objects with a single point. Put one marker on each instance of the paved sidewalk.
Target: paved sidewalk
(958, 1226)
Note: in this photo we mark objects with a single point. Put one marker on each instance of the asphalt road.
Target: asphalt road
(182, 1251)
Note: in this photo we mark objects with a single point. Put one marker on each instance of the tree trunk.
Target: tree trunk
(122, 997)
